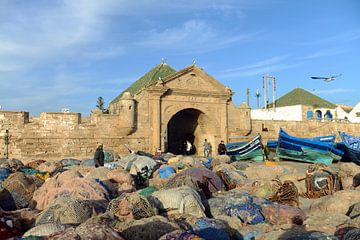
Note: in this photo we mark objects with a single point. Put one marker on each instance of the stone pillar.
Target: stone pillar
(155, 93)
(223, 121)
(156, 120)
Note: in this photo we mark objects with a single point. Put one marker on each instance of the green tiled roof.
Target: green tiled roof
(161, 70)
(299, 96)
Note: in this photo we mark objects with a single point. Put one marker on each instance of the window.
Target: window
(318, 115)
(309, 114)
(328, 115)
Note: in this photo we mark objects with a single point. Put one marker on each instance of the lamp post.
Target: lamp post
(257, 94)
(7, 142)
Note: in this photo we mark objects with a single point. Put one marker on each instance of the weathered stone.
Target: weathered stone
(339, 202)
(325, 222)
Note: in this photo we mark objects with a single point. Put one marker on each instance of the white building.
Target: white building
(300, 105)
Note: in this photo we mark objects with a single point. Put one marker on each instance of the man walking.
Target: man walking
(207, 148)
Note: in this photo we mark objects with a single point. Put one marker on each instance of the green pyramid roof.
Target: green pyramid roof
(299, 96)
(161, 70)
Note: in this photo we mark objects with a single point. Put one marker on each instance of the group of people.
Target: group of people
(208, 149)
(99, 156)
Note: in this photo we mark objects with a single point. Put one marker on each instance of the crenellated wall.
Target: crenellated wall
(63, 135)
(67, 135)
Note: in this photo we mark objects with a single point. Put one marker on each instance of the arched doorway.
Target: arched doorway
(187, 124)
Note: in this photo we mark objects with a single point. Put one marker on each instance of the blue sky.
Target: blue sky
(56, 54)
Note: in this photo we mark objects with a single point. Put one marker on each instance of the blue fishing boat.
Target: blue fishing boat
(251, 150)
(272, 144)
(306, 150)
(351, 146)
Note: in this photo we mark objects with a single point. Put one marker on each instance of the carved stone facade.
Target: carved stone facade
(187, 105)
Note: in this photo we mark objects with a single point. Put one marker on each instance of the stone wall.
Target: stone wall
(63, 135)
(308, 128)
(67, 135)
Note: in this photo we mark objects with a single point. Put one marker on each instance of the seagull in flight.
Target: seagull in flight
(327, 79)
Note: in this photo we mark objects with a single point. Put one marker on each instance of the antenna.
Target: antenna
(248, 96)
(267, 79)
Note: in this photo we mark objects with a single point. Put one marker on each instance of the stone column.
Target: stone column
(223, 121)
(155, 105)
(156, 120)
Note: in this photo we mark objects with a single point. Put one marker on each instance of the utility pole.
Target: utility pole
(267, 92)
(248, 96)
(264, 88)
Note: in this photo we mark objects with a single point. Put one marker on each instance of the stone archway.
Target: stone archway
(187, 124)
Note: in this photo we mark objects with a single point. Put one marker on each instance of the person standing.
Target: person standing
(188, 147)
(99, 156)
(221, 148)
(207, 148)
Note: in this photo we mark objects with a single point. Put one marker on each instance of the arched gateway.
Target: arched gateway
(174, 106)
(188, 124)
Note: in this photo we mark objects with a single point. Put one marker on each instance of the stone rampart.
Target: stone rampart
(66, 135)
(62, 135)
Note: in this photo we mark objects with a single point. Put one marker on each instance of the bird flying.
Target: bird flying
(327, 79)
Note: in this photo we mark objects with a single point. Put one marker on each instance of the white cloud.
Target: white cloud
(323, 53)
(193, 36)
(348, 36)
(266, 66)
(260, 64)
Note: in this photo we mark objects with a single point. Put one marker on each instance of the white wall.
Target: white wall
(340, 113)
(353, 116)
(289, 113)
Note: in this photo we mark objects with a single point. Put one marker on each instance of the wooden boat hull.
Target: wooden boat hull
(306, 150)
(351, 146)
(272, 144)
(246, 150)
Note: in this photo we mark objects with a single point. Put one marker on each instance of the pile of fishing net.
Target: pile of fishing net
(181, 200)
(151, 228)
(70, 184)
(44, 230)
(15, 164)
(131, 206)
(4, 173)
(93, 228)
(35, 163)
(50, 166)
(231, 175)
(180, 234)
(116, 181)
(65, 210)
(18, 190)
(205, 180)
(139, 163)
(15, 223)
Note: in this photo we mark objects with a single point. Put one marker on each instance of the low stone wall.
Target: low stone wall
(313, 128)
(62, 135)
